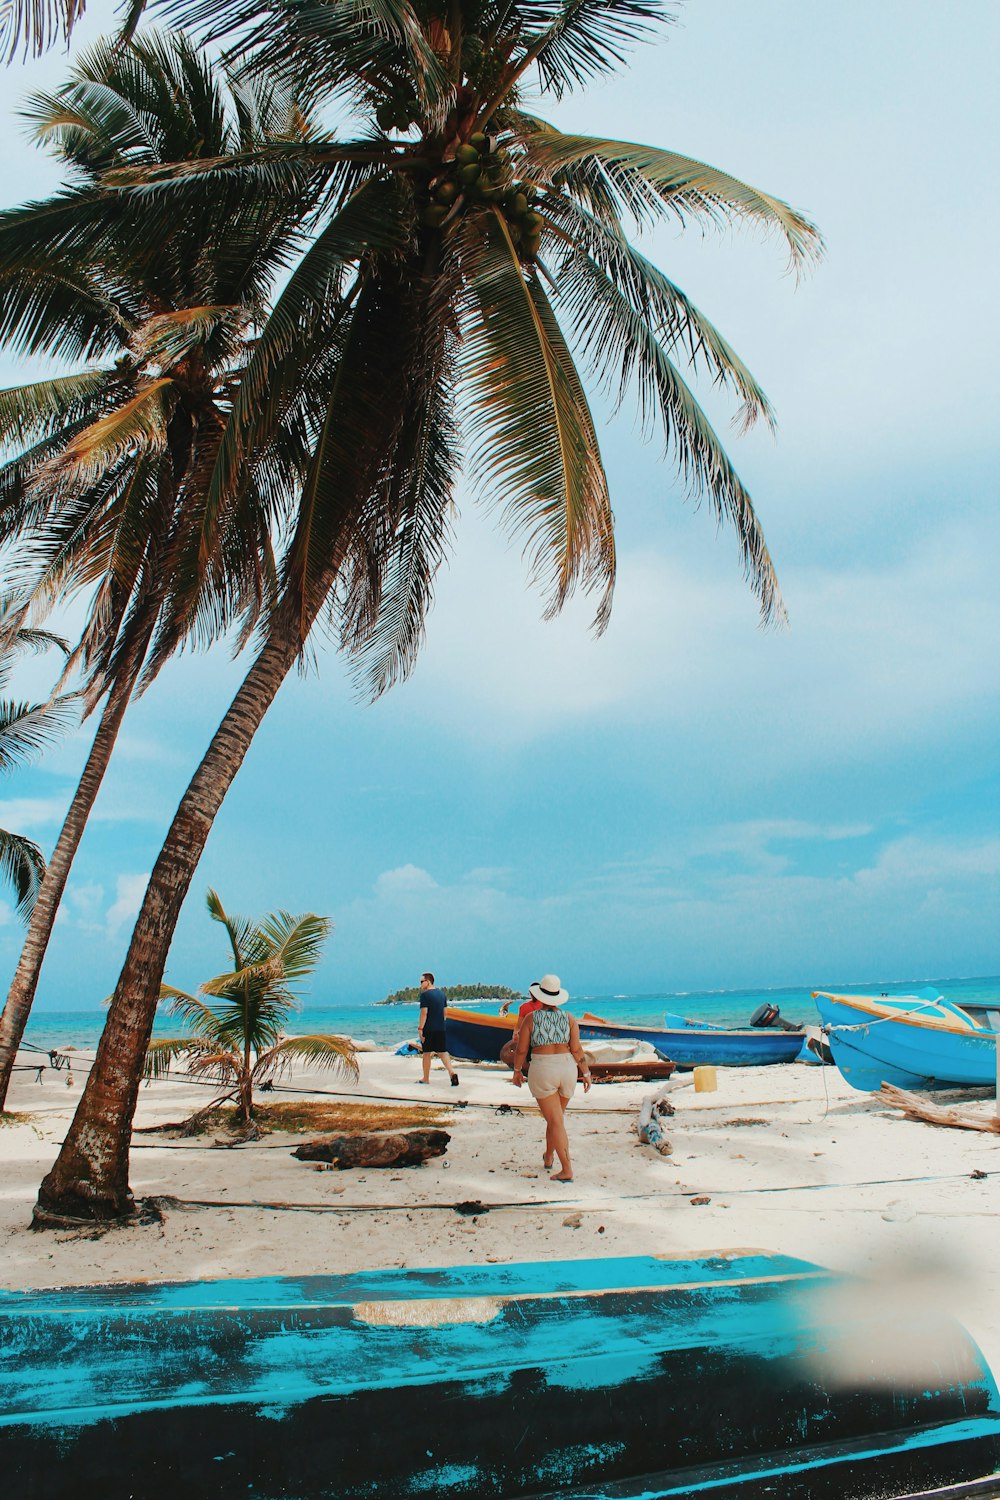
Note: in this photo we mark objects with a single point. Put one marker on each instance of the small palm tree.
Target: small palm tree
(25, 730)
(239, 1039)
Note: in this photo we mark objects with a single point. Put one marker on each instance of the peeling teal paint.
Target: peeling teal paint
(447, 1477)
(607, 1345)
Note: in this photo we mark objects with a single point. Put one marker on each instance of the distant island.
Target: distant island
(411, 994)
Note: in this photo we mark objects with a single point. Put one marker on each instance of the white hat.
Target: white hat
(548, 990)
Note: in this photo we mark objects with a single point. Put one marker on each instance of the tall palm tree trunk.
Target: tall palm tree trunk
(89, 1179)
(22, 991)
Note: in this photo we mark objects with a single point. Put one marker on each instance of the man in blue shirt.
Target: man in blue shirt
(432, 1030)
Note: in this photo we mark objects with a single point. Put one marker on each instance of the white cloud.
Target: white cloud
(916, 907)
(130, 890)
(407, 880)
(86, 898)
(22, 814)
(877, 654)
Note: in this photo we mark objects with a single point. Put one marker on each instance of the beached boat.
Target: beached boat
(741, 1374)
(913, 1041)
(479, 1037)
(691, 1044)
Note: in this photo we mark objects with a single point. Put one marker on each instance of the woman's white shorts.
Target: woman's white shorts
(552, 1073)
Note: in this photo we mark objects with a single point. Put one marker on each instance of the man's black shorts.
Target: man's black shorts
(435, 1041)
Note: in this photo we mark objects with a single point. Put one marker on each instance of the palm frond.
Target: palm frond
(32, 26)
(240, 932)
(385, 587)
(45, 310)
(168, 337)
(357, 426)
(30, 412)
(217, 1062)
(23, 864)
(571, 42)
(293, 944)
(329, 48)
(534, 446)
(680, 327)
(298, 331)
(194, 1012)
(619, 338)
(26, 729)
(335, 1053)
(162, 1053)
(652, 182)
(137, 425)
(16, 635)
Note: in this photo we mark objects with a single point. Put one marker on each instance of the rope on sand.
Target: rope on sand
(475, 1208)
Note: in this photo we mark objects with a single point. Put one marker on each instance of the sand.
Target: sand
(789, 1158)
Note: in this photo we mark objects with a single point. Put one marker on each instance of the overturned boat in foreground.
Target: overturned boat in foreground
(742, 1374)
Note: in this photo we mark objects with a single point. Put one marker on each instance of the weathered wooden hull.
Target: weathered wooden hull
(729, 1375)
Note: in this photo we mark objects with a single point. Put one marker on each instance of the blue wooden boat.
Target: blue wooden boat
(739, 1375)
(913, 1041)
(688, 1044)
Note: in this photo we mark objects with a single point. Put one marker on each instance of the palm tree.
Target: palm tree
(25, 731)
(476, 247)
(239, 1039)
(108, 489)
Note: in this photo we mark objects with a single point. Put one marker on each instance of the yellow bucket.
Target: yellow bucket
(704, 1080)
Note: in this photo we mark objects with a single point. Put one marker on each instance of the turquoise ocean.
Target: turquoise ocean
(388, 1025)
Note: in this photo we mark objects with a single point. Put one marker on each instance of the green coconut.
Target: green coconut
(470, 173)
(434, 215)
(466, 155)
(478, 139)
(533, 223)
(518, 205)
(446, 192)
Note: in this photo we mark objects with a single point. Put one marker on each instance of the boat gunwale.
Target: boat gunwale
(880, 1012)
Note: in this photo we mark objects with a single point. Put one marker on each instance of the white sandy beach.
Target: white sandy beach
(790, 1159)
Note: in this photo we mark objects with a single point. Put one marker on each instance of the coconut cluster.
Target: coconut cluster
(482, 172)
(398, 112)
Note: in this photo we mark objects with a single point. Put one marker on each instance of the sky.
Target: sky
(689, 802)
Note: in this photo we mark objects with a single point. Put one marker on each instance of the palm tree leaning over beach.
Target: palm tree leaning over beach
(236, 1021)
(472, 246)
(108, 489)
(25, 731)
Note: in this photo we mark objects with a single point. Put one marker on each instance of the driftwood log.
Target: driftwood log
(398, 1148)
(652, 1111)
(915, 1108)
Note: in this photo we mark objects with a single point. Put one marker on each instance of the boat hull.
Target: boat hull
(690, 1046)
(872, 1046)
(480, 1037)
(602, 1377)
(474, 1037)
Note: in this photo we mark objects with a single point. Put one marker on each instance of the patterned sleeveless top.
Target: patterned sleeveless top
(549, 1028)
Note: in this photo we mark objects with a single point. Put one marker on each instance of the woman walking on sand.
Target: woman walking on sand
(554, 1039)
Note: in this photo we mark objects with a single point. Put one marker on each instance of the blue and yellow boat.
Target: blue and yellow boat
(732, 1375)
(912, 1041)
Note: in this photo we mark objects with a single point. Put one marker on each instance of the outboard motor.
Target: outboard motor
(768, 1014)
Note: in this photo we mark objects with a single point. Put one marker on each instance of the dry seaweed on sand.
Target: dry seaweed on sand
(308, 1117)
